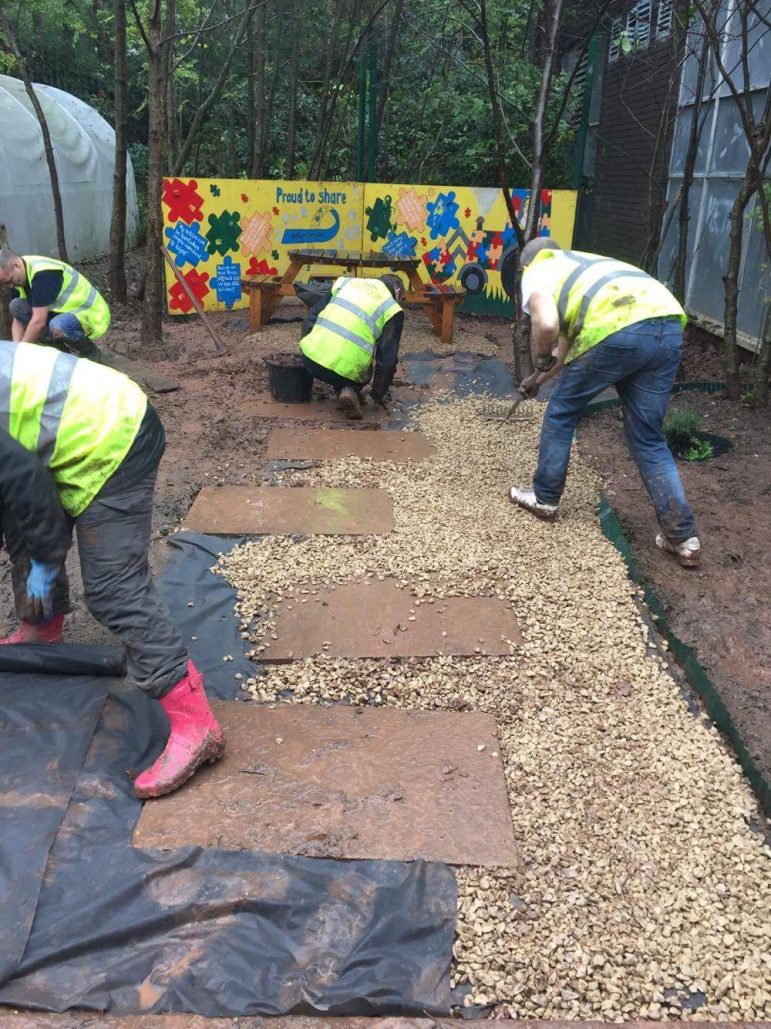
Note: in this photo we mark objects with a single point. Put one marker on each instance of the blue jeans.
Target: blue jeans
(641, 361)
(64, 328)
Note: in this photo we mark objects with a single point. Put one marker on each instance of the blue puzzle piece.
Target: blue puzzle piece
(441, 217)
(187, 244)
(227, 282)
(509, 235)
(399, 244)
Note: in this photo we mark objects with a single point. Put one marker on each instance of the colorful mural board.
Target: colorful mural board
(221, 230)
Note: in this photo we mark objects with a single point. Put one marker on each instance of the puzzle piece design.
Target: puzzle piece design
(215, 190)
(275, 211)
(411, 209)
(227, 282)
(379, 220)
(509, 235)
(442, 214)
(274, 254)
(399, 245)
(244, 198)
(256, 232)
(224, 231)
(467, 212)
(179, 300)
(183, 200)
(261, 267)
(187, 244)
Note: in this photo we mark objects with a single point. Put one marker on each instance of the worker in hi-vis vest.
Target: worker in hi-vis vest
(79, 447)
(53, 303)
(351, 335)
(610, 324)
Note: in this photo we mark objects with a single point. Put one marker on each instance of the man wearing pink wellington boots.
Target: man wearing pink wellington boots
(79, 448)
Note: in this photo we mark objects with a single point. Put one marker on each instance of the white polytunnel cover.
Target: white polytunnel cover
(84, 150)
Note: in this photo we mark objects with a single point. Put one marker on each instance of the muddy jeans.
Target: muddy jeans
(641, 362)
(113, 541)
(63, 331)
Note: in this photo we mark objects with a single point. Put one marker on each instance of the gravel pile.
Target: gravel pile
(645, 890)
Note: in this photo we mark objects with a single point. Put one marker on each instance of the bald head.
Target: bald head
(12, 272)
(534, 247)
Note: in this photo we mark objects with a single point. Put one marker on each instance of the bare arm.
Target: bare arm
(545, 320)
(35, 325)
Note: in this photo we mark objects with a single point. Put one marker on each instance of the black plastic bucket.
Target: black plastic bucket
(288, 378)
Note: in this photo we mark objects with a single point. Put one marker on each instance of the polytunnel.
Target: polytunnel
(84, 150)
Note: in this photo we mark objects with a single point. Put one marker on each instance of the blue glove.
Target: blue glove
(40, 589)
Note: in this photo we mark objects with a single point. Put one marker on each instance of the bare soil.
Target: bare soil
(722, 608)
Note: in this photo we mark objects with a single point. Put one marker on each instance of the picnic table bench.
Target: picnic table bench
(437, 301)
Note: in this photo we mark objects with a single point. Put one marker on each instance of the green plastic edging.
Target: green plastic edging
(686, 657)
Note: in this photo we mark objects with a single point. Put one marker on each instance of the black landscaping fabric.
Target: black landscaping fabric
(62, 659)
(217, 933)
(187, 580)
(464, 374)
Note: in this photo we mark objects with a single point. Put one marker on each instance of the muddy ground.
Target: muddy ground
(718, 610)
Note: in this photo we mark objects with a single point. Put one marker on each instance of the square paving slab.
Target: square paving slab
(345, 782)
(312, 411)
(325, 444)
(377, 619)
(286, 510)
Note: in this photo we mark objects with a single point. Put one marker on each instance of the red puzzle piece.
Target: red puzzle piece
(179, 300)
(260, 267)
(183, 200)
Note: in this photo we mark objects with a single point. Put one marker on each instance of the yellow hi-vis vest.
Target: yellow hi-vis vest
(597, 296)
(346, 332)
(77, 295)
(79, 417)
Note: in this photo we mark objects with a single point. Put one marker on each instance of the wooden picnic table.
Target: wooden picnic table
(438, 301)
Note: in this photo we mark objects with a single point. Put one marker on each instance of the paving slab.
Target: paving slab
(312, 411)
(344, 782)
(328, 444)
(372, 618)
(286, 510)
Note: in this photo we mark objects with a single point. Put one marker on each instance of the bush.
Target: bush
(680, 428)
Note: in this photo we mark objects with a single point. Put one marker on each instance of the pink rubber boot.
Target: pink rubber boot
(195, 737)
(46, 632)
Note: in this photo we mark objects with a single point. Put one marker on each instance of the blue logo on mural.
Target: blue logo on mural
(441, 214)
(227, 282)
(399, 244)
(310, 235)
(187, 244)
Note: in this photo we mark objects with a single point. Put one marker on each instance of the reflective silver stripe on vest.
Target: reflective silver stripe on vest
(369, 320)
(583, 263)
(595, 288)
(7, 357)
(90, 301)
(53, 407)
(383, 308)
(346, 334)
(65, 295)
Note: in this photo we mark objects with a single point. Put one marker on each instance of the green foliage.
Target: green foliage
(680, 427)
(699, 450)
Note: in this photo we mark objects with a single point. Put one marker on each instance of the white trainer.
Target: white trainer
(526, 498)
(688, 553)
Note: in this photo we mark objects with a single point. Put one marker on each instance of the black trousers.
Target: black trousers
(337, 382)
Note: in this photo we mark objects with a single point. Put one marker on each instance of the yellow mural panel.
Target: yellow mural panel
(222, 230)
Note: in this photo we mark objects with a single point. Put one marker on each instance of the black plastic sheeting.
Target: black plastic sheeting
(46, 725)
(464, 374)
(209, 627)
(62, 659)
(217, 933)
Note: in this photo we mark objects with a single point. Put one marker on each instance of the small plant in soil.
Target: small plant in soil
(700, 450)
(681, 428)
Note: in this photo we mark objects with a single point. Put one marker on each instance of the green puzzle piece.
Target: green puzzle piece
(379, 221)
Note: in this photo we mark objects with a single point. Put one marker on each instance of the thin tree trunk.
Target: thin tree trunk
(731, 282)
(322, 130)
(763, 367)
(216, 91)
(273, 82)
(256, 92)
(388, 57)
(553, 11)
(152, 306)
(47, 145)
(118, 222)
(684, 214)
(291, 127)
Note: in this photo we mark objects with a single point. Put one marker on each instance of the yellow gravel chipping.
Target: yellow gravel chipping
(643, 881)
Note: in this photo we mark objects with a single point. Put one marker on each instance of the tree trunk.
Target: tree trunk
(731, 282)
(152, 307)
(291, 126)
(553, 16)
(273, 82)
(684, 214)
(47, 145)
(118, 222)
(257, 99)
(322, 128)
(763, 367)
(388, 57)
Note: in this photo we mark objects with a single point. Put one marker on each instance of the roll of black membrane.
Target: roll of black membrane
(62, 659)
